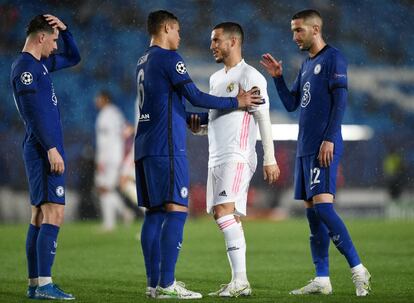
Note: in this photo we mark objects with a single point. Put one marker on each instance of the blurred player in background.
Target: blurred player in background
(320, 90)
(160, 151)
(43, 152)
(110, 126)
(232, 149)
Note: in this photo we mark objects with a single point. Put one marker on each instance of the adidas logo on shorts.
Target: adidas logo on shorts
(223, 194)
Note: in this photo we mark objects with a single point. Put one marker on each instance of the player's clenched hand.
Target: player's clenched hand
(325, 156)
(55, 22)
(195, 123)
(249, 98)
(57, 165)
(273, 67)
(271, 173)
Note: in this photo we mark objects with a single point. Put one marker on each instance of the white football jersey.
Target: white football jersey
(232, 134)
(110, 125)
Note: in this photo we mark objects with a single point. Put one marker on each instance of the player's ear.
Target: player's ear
(41, 37)
(316, 29)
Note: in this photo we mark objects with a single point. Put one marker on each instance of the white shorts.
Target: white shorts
(229, 182)
(108, 176)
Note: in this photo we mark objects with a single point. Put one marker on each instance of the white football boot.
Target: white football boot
(315, 286)
(234, 289)
(150, 292)
(362, 281)
(176, 291)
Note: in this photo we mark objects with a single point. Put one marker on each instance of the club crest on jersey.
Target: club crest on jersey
(180, 68)
(60, 191)
(230, 87)
(184, 192)
(26, 78)
(317, 69)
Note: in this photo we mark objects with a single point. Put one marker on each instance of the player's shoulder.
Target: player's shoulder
(25, 63)
(252, 73)
(335, 54)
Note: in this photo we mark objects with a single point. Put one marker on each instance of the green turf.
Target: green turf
(109, 268)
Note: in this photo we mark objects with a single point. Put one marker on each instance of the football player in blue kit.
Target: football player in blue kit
(160, 151)
(43, 152)
(320, 91)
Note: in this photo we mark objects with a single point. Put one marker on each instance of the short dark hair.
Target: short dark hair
(231, 28)
(307, 13)
(157, 18)
(105, 94)
(39, 24)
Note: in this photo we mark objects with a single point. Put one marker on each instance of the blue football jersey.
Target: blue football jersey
(163, 85)
(312, 89)
(36, 99)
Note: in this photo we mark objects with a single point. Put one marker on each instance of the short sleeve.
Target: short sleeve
(338, 77)
(177, 70)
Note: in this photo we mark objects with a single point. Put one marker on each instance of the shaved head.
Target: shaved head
(310, 17)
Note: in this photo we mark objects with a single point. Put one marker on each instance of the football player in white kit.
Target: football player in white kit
(110, 125)
(232, 149)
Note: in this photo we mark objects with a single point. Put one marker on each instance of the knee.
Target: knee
(54, 216)
(222, 210)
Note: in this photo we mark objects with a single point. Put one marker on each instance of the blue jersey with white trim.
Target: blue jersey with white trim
(163, 85)
(313, 90)
(36, 99)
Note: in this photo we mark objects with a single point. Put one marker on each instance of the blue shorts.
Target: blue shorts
(311, 179)
(44, 186)
(162, 180)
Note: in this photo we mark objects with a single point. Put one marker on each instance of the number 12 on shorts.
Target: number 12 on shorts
(314, 177)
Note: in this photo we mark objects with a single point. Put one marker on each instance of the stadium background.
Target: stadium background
(375, 36)
(377, 39)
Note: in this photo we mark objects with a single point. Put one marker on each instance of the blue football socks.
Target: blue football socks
(319, 243)
(46, 248)
(171, 241)
(150, 243)
(31, 251)
(338, 232)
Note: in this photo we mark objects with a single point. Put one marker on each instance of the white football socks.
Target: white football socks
(235, 244)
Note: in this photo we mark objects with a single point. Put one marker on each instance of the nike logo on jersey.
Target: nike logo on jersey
(312, 187)
(179, 245)
(223, 194)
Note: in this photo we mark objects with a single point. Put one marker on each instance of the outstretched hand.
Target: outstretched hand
(272, 66)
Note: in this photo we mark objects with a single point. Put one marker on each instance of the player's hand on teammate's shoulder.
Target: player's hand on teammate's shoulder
(55, 22)
(272, 66)
(57, 165)
(249, 98)
(195, 123)
(325, 156)
(271, 173)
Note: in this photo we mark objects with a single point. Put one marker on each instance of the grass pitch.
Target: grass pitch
(109, 267)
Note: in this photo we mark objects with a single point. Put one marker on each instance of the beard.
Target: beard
(224, 55)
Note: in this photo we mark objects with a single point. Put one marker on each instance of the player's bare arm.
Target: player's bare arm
(249, 98)
(271, 173)
(57, 165)
(325, 156)
(272, 66)
(55, 22)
